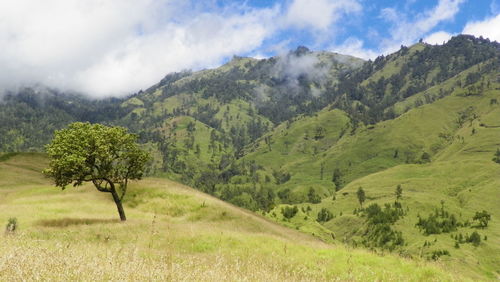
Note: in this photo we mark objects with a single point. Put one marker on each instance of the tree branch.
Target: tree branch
(111, 185)
(97, 184)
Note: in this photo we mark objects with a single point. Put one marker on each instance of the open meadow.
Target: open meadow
(173, 233)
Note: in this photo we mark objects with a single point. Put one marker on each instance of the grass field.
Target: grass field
(460, 172)
(173, 233)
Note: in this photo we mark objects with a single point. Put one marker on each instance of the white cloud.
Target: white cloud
(204, 42)
(407, 31)
(488, 28)
(390, 15)
(438, 38)
(494, 7)
(354, 47)
(116, 47)
(445, 10)
(319, 14)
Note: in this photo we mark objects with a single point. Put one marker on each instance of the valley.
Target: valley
(295, 161)
(173, 233)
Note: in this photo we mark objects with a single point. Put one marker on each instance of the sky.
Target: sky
(108, 48)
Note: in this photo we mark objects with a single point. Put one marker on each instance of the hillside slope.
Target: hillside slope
(441, 155)
(174, 232)
(318, 142)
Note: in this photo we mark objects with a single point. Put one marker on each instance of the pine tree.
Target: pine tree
(496, 158)
(399, 192)
(337, 179)
(361, 196)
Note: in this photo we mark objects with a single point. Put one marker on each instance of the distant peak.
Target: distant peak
(301, 50)
(237, 58)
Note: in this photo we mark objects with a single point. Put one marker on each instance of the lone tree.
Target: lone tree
(496, 157)
(106, 156)
(337, 179)
(399, 192)
(483, 218)
(361, 196)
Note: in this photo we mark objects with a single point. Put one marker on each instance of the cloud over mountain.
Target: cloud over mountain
(116, 47)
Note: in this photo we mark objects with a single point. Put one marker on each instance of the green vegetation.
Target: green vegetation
(289, 212)
(394, 155)
(109, 157)
(483, 218)
(399, 192)
(324, 215)
(439, 222)
(361, 196)
(173, 233)
(379, 231)
(11, 225)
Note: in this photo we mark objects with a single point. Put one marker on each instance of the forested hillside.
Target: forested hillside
(29, 116)
(323, 142)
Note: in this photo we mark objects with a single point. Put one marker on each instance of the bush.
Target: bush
(382, 236)
(438, 253)
(11, 225)
(281, 176)
(376, 215)
(482, 218)
(439, 222)
(324, 215)
(379, 232)
(425, 158)
(284, 195)
(313, 197)
(474, 238)
(289, 212)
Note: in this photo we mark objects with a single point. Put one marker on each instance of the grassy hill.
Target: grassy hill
(363, 149)
(293, 138)
(173, 232)
(458, 133)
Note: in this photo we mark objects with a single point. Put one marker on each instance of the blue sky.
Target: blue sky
(117, 47)
(371, 29)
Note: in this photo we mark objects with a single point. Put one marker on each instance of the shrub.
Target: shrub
(281, 176)
(289, 212)
(437, 223)
(474, 238)
(482, 218)
(11, 225)
(425, 158)
(438, 253)
(379, 231)
(324, 215)
(312, 196)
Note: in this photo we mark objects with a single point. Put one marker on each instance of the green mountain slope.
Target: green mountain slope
(29, 116)
(173, 232)
(360, 150)
(459, 134)
(294, 137)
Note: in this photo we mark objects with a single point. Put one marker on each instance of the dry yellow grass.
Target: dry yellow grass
(174, 233)
(25, 259)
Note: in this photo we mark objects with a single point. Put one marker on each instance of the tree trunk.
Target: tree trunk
(119, 206)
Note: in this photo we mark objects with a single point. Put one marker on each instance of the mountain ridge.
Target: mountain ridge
(294, 137)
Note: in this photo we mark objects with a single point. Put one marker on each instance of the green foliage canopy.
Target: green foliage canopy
(399, 192)
(289, 212)
(324, 215)
(482, 217)
(106, 156)
(361, 195)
